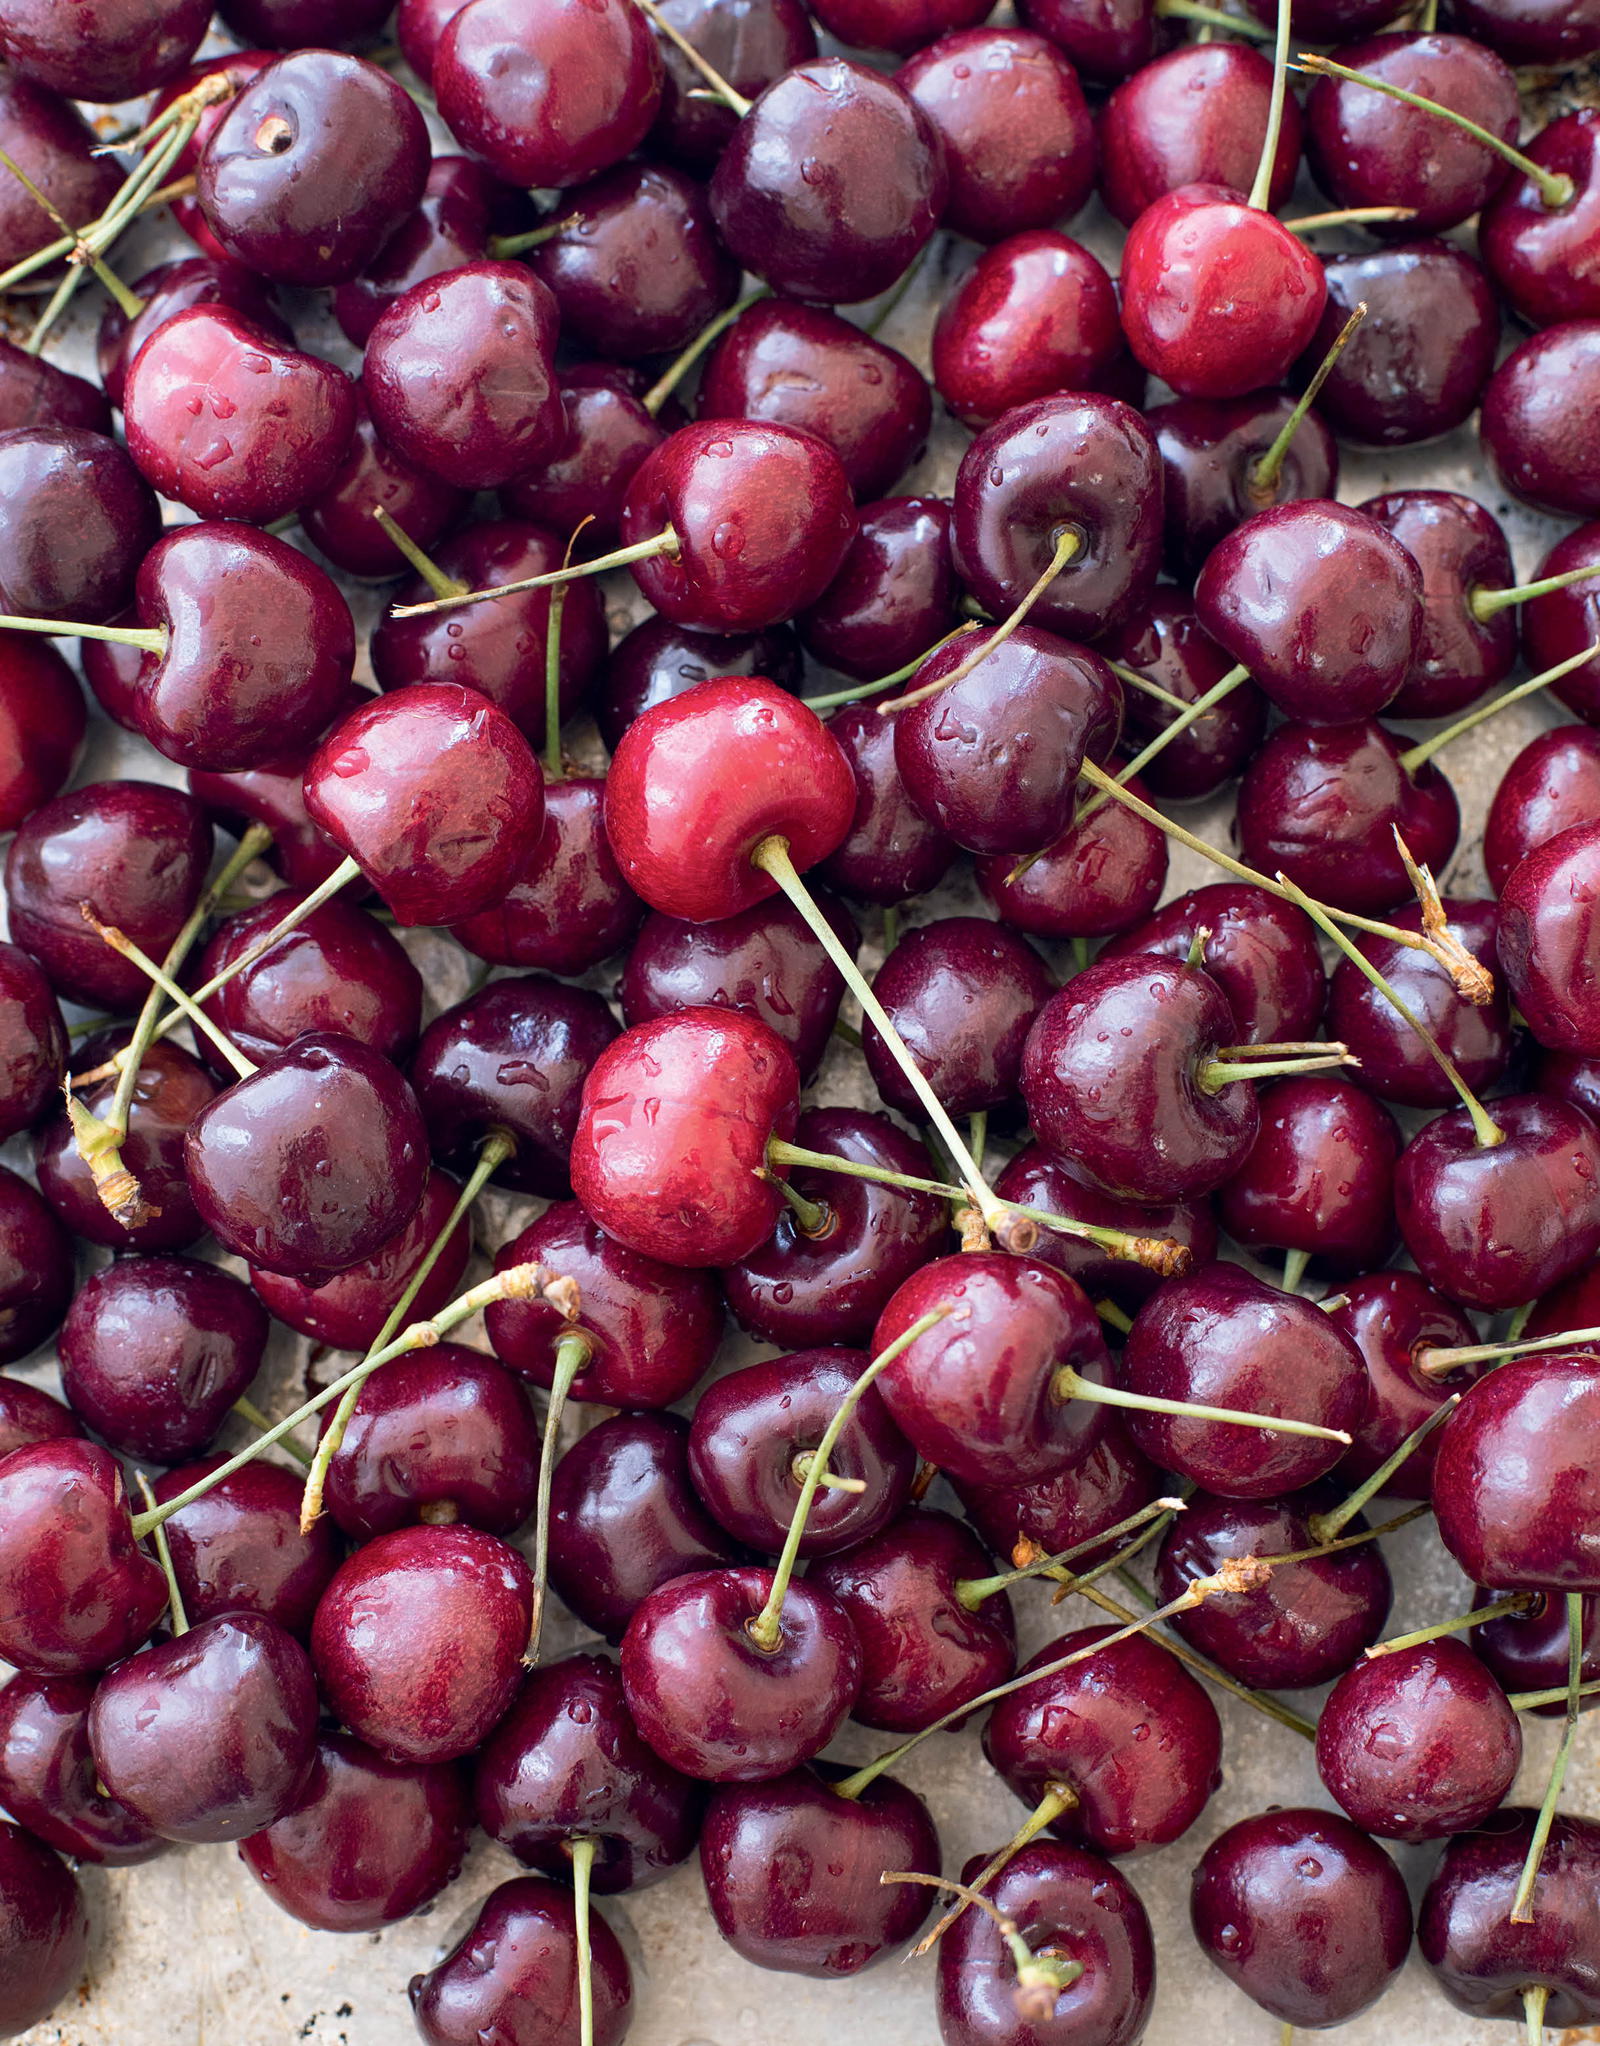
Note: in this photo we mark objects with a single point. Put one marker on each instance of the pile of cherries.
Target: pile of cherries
(1005, 1341)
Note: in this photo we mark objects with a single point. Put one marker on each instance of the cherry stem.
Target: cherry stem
(714, 78)
(1069, 1384)
(972, 1591)
(1522, 1902)
(619, 557)
(1424, 750)
(1486, 1129)
(1355, 1541)
(247, 1410)
(1058, 1799)
(1534, 1999)
(1294, 1269)
(1515, 1602)
(1191, 714)
(1113, 1316)
(432, 574)
(120, 942)
(1350, 216)
(497, 1147)
(1262, 479)
(1325, 1526)
(1261, 189)
(675, 372)
(1526, 1701)
(1068, 546)
(766, 1629)
(1039, 1976)
(175, 1611)
(516, 1282)
(1213, 1074)
(131, 304)
(800, 1469)
(573, 1352)
(1555, 188)
(151, 639)
(1212, 17)
(1259, 1701)
(581, 1852)
(812, 1216)
(1438, 1358)
(504, 246)
(1144, 684)
(860, 691)
(1483, 603)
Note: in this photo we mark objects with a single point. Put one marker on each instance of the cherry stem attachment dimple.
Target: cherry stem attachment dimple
(119, 941)
(1424, 750)
(1261, 187)
(971, 1592)
(766, 1629)
(573, 1352)
(676, 370)
(175, 1612)
(581, 1853)
(1262, 479)
(812, 1216)
(432, 574)
(1067, 548)
(1324, 1527)
(1040, 1977)
(1070, 1384)
(619, 557)
(1059, 1799)
(1484, 603)
(714, 78)
(1522, 1902)
(1515, 1602)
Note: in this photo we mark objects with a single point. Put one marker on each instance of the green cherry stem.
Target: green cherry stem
(1069, 1384)
(1535, 1998)
(1418, 755)
(130, 303)
(1530, 1701)
(1067, 547)
(554, 767)
(247, 1410)
(432, 574)
(1259, 1701)
(714, 78)
(1058, 1799)
(1513, 1603)
(1350, 216)
(1261, 188)
(1040, 1977)
(1212, 17)
(1522, 1902)
(1213, 1074)
(861, 691)
(1484, 604)
(1261, 482)
(619, 557)
(972, 1591)
(120, 942)
(1325, 1526)
(1294, 1269)
(1437, 1358)
(503, 247)
(675, 372)
(151, 639)
(175, 1612)
(573, 1352)
(1191, 714)
(812, 1216)
(1144, 685)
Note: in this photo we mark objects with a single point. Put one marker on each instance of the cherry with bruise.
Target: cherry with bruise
(370, 1841)
(891, 850)
(47, 1930)
(1193, 116)
(370, 474)
(1035, 1180)
(608, 435)
(1165, 641)
(894, 596)
(1462, 552)
(513, 1975)
(1260, 950)
(1535, 422)
(449, 225)
(566, 907)
(172, 288)
(1392, 1317)
(658, 660)
(36, 1268)
(750, 43)
(1319, 1179)
(76, 520)
(1212, 452)
(33, 1042)
(1551, 785)
(1111, 1483)
(1308, 1622)
(1104, 873)
(47, 1775)
(1548, 939)
(238, 1548)
(1538, 248)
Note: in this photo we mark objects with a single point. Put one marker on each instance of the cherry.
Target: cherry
(891, 850)
(47, 1775)
(1018, 137)
(36, 1269)
(567, 1764)
(432, 792)
(172, 288)
(388, 1632)
(608, 435)
(963, 994)
(118, 53)
(717, 1705)
(369, 1843)
(1533, 421)
(1193, 116)
(33, 1042)
(1393, 1063)
(1260, 950)
(825, 130)
(1084, 465)
(1308, 1622)
(1392, 1317)
(28, 1414)
(893, 597)
(1165, 642)
(312, 1163)
(1540, 250)
(34, 392)
(1530, 31)
(551, 94)
(748, 42)
(1547, 939)
(1068, 1906)
(339, 520)
(1322, 802)
(1550, 786)
(1530, 1651)
(448, 226)
(1492, 1225)
(418, 25)
(169, 1093)
(658, 660)
(634, 263)
(135, 852)
(1112, 1483)
(52, 143)
(624, 1519)
(513, 1975)
(1557, 624)
(289, 24)
(1417, 364)
(567, 906)
(1036, 1181)
(1104, 873)
(1487, 1962)
(1213, 457)
(312, 166)
(762, 960)
(1419, 1743)
(76, 521)
(1318, 1182)
(47, 1930)
(154, 1352)
(232, 422)
(79, 1591)
(238, 1548)
(1467, 645)
(274, 796)
(1302, 1912)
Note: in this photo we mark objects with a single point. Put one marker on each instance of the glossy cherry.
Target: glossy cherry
(28, 1414)
(608, 435)
(34, 392)
(750, 43)
(47, 1775)
(1461, 551)
(1111, 1483)
(1212, 451)
(1319, 1179)
(1552, 784)
(1035, 1180)
(1102, 874)
(963, 995)
(514, 1975)
(658, 660)
(171, 288)
(1392, 1317)
(47, 1930)
(1193, 116)
(891, 850)
(1548, 938)
(33, 1042)
(1534, 420)
(117, 54)
(1559, 624)
(36, 1268)
(1167, 643)
(76, 521)
(238, 1548)
(53, 143)
(567, 906)
(339, 519)
(1531, 1651)
(1260, 950)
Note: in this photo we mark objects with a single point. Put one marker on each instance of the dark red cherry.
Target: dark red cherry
(1308, 1622)
(1535, 420)
(1036, 314)
(1418, 1743)
(79, 1593)
(154, 1352)
(1102, 874)
(47, 1775)
(1392, 1317)
(339, 519)
(388, 1634)
(891, 850)
(50, 140)
(1460, 550)
(548, 94)
(1194, 116)
(1551, 785)
(1018, 137)
(658, 660)
(717, 1705)
(312, 167)
(894, 596)
(1531, 31)
(513, 1975)
(1083, 464)
(1165, 641)
(370, 1841)
(782, 191)
(1111, 1483)
(47, 1930)
(238, 1548)
(747, 42)
(33, 1042)
(1069, 1905)
(116, 53)
(1529, 1651)
(34, 392)
(925, 1649)
(567, 906)
(1548, 939)
(433, 792)
(1211, 449)
(232, 422)
(1319, 1179)
(291, 24)
(76, 519)
(1217, 297)
(1304, 1913)
(169, 1093)
(1322, 802)
(441, 1436)
(793, 1871)
(135, 852)
(28, 1414)
(652, 1328)
(274, 796)
(624, 1519)
(1260, 950)
(172, 288)
(567, 1764)
(900, 26)
(312, 1163)
(805, 367)
(1543, 256)
(513, 1057)
(1417, 364)
(418, 25)
(1561, 623)
(608, 435)
(1494, 1225)
(460, 377)
(1036, 1181)
(448, 226)
(828, 1282)
(36, 1268)
(1113, 1076)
